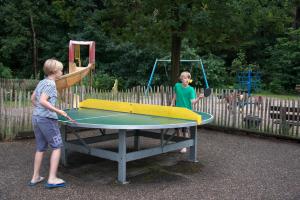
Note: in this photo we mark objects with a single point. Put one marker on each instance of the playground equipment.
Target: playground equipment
(76, 73)
(207, 90)
(249, 79)
(126, 119)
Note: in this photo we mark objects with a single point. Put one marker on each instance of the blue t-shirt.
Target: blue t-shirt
(47, 87)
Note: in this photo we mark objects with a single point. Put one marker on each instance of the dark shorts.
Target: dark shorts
(46, 131)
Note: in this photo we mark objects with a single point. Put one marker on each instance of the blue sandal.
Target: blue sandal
(50, 186)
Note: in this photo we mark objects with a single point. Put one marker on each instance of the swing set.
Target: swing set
(249, 79)
(207, 90)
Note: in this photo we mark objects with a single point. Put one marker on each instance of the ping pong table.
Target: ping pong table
(127, 124)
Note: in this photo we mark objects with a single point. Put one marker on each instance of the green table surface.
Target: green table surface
(94, 118)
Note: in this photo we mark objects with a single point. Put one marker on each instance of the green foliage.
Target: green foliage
(130, 35)
(5, 72)
(129, 63)
(239, 61)
(15, 31)
(215, 69)
(281, 69)
(103, 81)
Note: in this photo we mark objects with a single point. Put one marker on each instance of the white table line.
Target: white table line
(100, 116)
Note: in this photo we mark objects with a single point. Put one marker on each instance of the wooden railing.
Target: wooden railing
(18, 84)
(230, 108)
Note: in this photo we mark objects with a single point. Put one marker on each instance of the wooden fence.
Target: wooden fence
(230, 108)
(18, 84)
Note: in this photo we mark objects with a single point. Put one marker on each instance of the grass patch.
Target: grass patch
(279, 96)
(14, 104)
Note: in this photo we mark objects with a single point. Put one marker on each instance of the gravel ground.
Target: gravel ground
(229, 167)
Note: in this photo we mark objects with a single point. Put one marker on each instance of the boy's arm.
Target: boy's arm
(173, 100)
(33, 98)
(194, 101)
(44, 102)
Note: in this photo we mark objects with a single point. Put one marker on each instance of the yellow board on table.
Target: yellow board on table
(143, 109)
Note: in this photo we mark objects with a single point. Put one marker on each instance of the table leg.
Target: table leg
(193, 149)
(122, 157)
(64, 155)
(136, 140)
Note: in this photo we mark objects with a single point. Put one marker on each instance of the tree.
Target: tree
(296, 11)
(135, 32)
(284, 63)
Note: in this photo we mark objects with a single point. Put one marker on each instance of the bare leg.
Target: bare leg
(37, 165)
(181, 132)
(177, 130)
(54, 161)
(186, 135)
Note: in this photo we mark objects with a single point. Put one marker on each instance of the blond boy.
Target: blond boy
(45, 124)
(184, 96)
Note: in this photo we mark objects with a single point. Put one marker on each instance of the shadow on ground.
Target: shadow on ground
(167, 167)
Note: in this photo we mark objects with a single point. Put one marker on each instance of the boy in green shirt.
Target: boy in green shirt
(185, 96)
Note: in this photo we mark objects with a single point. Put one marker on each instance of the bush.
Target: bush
(129, 64)
(281, 69)
(5, 72)
(215, 71)
(103, 81)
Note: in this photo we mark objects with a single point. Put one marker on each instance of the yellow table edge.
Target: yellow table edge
(144, 109)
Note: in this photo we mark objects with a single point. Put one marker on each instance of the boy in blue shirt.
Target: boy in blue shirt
(45, 124)
(185, 96)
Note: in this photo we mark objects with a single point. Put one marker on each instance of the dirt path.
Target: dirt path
(230, 167)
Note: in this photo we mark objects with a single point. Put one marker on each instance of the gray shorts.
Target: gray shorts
(46, 133)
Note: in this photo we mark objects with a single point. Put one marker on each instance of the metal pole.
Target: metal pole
(151, 77)
(249, 81)
(204, 75)
(166, 60)
(193, 149)
(122, 157)
(160, 60)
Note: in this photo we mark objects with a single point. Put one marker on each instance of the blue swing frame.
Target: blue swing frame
(198, 63)
(249, 79)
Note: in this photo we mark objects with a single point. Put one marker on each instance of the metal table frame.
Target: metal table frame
(168, 142)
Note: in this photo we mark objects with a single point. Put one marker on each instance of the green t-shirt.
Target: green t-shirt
(184, 95)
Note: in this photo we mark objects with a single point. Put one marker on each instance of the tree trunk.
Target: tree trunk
(176, 46)
(175, 57)
(34, 52)
(177, 35)
(296, 24)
